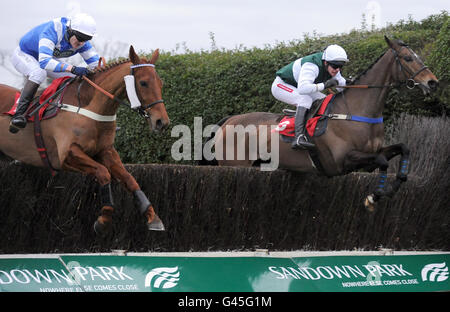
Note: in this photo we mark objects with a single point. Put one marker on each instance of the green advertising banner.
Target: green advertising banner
(91, 273)
(35, 275)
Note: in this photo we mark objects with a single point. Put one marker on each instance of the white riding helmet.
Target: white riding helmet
(84, 24)
(335, 54)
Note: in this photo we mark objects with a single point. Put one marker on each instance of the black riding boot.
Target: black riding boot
(19, 120)
(300, 138)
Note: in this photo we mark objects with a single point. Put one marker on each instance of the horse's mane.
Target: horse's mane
(368, 68)
(110, 65)
(354, 80)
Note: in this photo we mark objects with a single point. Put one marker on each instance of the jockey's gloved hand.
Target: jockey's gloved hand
(330, 83)
(80, 71)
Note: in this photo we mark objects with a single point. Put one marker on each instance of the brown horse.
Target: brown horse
(347, 145)
(83, 140)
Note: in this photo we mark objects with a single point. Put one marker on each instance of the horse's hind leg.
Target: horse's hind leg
(77, 160)
(357, 160)
(402, 173)
(390, 152)
(111, 159)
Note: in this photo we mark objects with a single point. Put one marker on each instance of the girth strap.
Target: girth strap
(355, 118)
(40, 144)
(88, 113)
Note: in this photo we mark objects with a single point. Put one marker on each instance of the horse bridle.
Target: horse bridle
(409, 82)
(142, 110)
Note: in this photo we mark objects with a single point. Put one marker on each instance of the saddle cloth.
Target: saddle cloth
(44, 112)
(286, 127)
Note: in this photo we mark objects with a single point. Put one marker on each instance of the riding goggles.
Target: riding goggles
(80, 36)
(336, 65)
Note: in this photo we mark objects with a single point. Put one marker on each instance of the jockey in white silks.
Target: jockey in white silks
(37, 55)
(301, 82)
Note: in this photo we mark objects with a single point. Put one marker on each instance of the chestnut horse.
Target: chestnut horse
(83, 140)
(347, 145)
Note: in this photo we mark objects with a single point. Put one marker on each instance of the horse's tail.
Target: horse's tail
(213, 162)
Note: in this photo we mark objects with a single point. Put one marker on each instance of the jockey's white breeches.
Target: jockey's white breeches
(29, 66)
(289, 94)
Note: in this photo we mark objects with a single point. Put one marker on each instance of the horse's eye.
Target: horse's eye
(408, 58)
(143, 84)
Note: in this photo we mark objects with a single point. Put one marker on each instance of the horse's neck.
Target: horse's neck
(370, 102)
(110, 80)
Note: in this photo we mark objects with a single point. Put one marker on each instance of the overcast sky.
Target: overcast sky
(164, 24)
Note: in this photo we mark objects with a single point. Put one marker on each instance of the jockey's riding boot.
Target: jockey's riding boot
(300, 138)
(19, 120)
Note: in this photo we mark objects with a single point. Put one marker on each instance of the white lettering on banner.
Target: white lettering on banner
(374, 278)
(52, 276)
(38, 276)
(5, 278)
(379, 270)
(60, 289)
(373, 272)
(23, 276)
(104, 273)
(108, 273)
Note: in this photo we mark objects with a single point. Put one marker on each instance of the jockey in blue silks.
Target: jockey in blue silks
(37, 55)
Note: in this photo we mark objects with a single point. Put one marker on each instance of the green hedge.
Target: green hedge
(223, 82)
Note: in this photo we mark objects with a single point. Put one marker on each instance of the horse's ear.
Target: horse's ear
(133, 56)
(388, 41)
(154, 57)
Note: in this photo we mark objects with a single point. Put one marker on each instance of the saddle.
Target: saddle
(49, 109)
(316, 120)
(316, 125)
(44, 106)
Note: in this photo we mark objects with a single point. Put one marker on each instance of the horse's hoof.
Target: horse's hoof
(156, 224)
(369, 203)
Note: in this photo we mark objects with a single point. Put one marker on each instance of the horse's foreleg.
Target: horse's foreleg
(111, 159)
(78, 160)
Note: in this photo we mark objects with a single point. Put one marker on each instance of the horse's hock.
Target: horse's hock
(221, 208)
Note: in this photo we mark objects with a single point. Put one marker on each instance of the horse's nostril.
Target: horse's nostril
(159, 124)
(433, 84)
